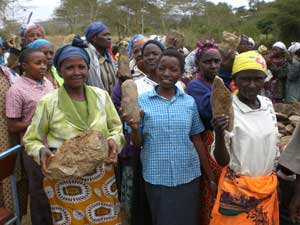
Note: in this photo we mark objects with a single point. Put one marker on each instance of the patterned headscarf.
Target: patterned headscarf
(204, 47)
(250, 60)
(131, 42)
(32, 27)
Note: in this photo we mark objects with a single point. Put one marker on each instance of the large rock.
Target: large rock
(79, 156)
(124, 72)
(129, 101)
(221, 101)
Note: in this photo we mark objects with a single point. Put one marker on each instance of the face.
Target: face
(210, 64)
(48, 50)
(74, 70)
(168, 71)
(36, 66)
(277, 51)
(137, 51)
(249, 83)
(151, 56)
(102, 40)
(34, 35)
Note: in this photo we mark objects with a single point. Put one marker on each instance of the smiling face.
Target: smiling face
(48, 50)
(102, 40)
(36, 66)
(249, 83)
(74, 70)
(210, 63)
(168, 72)
(151, 56)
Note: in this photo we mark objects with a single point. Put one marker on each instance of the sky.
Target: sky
(43, 10)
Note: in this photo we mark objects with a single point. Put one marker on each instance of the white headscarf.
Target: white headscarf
(295, 46)
(280, 45)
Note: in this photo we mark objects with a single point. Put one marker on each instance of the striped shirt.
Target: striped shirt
(168, 156)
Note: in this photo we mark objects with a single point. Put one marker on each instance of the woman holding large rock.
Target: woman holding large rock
(247, 192)
(62, 115)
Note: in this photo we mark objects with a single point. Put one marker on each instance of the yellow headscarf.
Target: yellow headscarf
(250, 60)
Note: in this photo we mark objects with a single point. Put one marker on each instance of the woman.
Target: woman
(171, 146)
(275, 88)
(63, 114)
(151, 52)
(247, 192)
(21, 102)
(48, 49)
(208, 61)
(293, 75)
(136, 64)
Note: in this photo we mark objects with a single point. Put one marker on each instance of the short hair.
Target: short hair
(171, 52)
(26, 53)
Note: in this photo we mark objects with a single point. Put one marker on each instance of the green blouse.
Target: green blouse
(56, 120)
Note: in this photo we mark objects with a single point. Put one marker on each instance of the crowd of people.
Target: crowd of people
(178, 164)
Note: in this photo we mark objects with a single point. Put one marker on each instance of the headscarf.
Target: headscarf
(250, 60)
(94, 29)
(280, 45)
(251, 42)
(2, 61)
(262, 49)
(203, 47)
(33, 26)
(71, 50)
(38, 43)
(295, 46)
(131, 42)
(157, 43)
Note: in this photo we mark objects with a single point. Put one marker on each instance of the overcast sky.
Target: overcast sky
(43, 10)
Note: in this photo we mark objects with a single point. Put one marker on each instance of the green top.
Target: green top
(56, 120)
(81, 108)
(56, 76)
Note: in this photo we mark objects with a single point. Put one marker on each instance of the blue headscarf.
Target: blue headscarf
(131, 42)
(71, 50)
(2, 61)
(38, 43)
(94, 29)
(157, 43)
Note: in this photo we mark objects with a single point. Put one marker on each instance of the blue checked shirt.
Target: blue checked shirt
(168, 156)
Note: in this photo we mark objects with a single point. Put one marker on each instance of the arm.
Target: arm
(114, 124)
(220, 123)
(37, 132)
(14, 106)
(202, 98)
(16, 126)
(197, 141)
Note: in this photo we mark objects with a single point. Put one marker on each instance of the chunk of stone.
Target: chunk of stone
(129, 101)
(221, 101)
(79, 156)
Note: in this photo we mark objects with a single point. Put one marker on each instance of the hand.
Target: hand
(220, 124)
(295, 207)
(112, 152)
(134, 124)
(45, 157)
